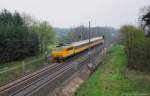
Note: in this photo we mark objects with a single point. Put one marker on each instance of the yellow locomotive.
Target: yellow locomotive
(63, 52)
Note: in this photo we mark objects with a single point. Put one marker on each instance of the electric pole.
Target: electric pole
(81, 33)
(89, 42)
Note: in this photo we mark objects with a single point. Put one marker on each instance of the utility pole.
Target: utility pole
(81, 33)
(89, 43)
(90, 65)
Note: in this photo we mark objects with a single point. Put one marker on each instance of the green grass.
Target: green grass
(8, 65)
(16, 69)
(110, 80)
(51, 47)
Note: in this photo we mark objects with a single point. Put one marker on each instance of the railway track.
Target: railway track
(37, 84)
(16, 85)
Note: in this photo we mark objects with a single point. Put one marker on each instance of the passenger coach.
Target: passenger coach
(63, 52)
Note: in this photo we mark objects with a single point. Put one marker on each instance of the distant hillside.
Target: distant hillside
(68, 35)
(61, 32)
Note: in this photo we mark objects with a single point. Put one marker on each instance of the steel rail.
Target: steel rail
(15, 85)
(50, 79)
(27, 82)
(39, 79)
(30, 90)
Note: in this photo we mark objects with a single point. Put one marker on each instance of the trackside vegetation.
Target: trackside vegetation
(112, 80)
(22, 37)
(13, 70)
(137, 48)
(24, 45)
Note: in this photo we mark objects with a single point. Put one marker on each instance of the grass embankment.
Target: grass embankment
(110, 79)
(12, 70)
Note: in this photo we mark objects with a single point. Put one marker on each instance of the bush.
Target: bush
(137, 48)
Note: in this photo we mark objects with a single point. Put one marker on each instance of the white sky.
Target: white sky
(70, 13)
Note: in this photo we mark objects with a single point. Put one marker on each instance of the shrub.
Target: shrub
(137, 48)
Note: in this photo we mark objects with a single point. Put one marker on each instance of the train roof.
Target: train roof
(78, 43)
(85, 41)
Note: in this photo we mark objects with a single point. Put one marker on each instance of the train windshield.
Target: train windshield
(58, 48)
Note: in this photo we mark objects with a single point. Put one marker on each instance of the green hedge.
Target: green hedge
(137, 48)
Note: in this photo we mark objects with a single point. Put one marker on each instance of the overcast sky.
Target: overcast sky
(70, 13)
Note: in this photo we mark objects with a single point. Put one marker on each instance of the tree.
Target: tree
(45, 34)
(29, 20)
(146, 20)
(76, 33)
(137, 48)
(17, 41)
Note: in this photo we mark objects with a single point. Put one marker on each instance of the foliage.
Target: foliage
(17, 41)
(21, 36)
(146, 20)
(109, 79)
(45, 33)
(137, 48)
(82, 33)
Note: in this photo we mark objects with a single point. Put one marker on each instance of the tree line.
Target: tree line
(82, 33)
(22, 36)
(137, 43)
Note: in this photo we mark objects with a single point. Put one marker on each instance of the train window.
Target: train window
(81, 46)
(69, 48)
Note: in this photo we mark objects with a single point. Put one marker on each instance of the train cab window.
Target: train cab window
(71, 48)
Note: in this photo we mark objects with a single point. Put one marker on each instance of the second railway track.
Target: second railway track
(16, 85)
(29, 85)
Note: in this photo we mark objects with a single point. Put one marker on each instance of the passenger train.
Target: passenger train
(63, 52)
